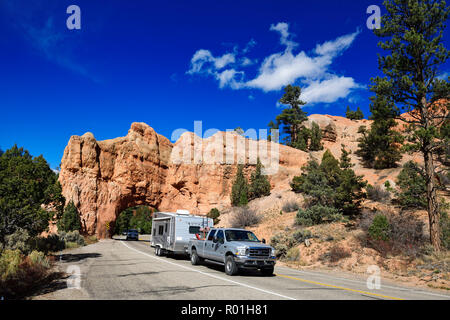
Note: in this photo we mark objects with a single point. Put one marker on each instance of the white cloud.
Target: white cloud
(204, 61)
(329, 90)
(279, 69)
(335, 47)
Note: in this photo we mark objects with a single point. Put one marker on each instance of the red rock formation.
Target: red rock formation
(103, 178)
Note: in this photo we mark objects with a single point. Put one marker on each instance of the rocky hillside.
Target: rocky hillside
(103, 178)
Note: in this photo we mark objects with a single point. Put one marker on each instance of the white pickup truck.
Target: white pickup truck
(236, 249)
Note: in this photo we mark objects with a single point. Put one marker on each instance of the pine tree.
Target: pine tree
(415, 51)
(214, 214)
(354, 115)
(239, 190)
(380, 147)
(316, 138)
(345, 161)
(330, 185)
(70, 219)
(293, 117)
(259, 184)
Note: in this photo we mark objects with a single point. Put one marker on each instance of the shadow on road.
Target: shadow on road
(69, 257)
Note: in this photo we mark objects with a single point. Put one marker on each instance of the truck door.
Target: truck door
(218, 248)
(208, 244)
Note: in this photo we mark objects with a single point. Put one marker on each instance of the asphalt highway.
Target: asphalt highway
(119, 269)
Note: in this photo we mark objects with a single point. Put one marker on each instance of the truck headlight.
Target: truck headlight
(272, 252)
(241, 251)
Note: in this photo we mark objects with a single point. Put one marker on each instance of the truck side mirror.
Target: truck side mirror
(215, 240)
(263, 240)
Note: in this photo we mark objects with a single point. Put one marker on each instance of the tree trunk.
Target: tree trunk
(432, 201)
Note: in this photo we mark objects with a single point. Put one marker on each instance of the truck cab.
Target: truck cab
(236, 249)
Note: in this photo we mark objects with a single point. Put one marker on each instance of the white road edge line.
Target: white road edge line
(404, 289)
(208, 274)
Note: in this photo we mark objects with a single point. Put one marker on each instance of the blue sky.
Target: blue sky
(170, 63)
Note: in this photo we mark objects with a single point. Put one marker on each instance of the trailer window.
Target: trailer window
(161, 230)
(211, 235)
(194, 229)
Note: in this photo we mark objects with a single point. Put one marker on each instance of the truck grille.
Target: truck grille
(259, 252)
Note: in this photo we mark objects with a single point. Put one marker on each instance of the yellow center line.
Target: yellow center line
(338, 287)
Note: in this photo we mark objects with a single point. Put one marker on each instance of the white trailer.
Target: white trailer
(172, 231)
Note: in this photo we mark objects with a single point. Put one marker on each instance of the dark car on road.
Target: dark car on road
(132, 234)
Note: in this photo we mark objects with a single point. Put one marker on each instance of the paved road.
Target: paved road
(118, 269)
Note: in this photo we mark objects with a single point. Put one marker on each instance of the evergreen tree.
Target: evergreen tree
(412, 185)
(345, 161)
(414, 53)
(26, 183)
(354, 115)
(214, 214)
(316, 138)
(70, 219)
(380, 147)
(239, 190)
(293, 117)
(259, 184)
(142, 219)
(330, 184)
(123, 221)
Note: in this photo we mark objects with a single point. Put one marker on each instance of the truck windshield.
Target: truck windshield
(240, 235)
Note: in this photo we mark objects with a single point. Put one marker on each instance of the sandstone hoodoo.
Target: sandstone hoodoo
(103, 178)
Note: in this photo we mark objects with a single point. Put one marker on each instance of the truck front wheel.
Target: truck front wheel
(195, 259)
(231, 268)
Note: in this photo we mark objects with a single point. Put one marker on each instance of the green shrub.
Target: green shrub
(9, 263)
(291, 206)
(293, 254)
(317, 214)
(52, 243)
(20, 275)
(39, 258)
(19, 240)
(282, 242)
(380, 228)
(301, 235)
(72, 236)
(71, 245)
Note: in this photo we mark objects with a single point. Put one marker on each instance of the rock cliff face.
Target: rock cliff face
(103, 178)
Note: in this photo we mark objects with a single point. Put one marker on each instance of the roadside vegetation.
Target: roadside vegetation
(30, 197)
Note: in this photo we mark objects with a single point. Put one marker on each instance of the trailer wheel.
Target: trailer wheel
(158, 251)
(231, 268)
(195, 259)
